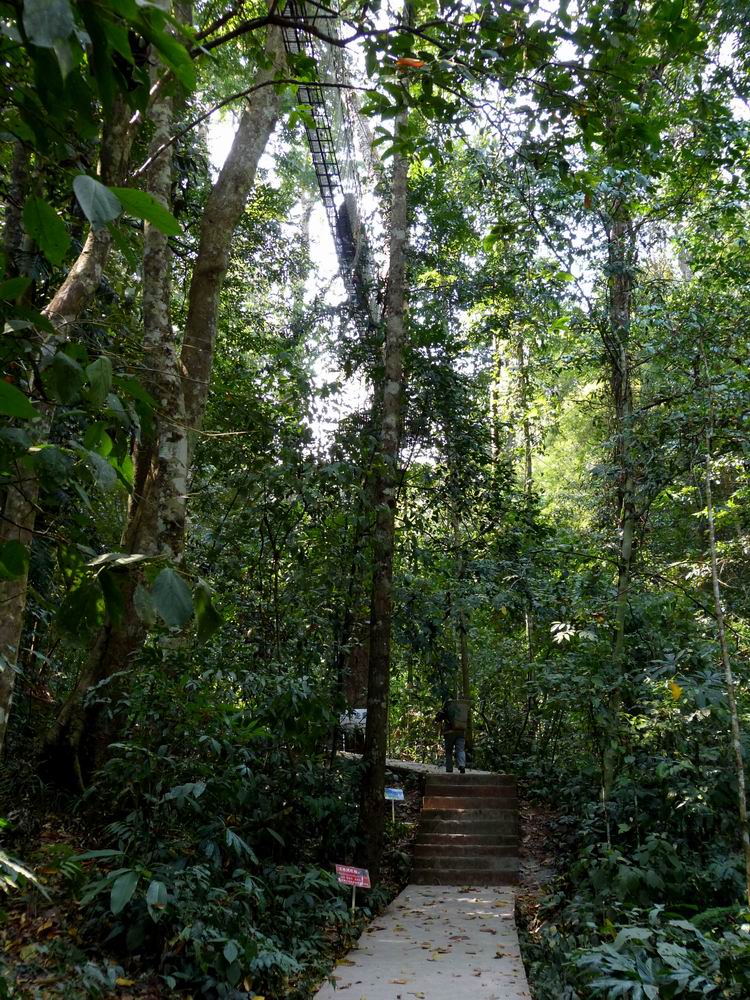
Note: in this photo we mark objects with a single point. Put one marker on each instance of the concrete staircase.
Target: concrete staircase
(468, 831)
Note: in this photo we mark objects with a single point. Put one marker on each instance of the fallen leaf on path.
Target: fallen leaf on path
(345, 961)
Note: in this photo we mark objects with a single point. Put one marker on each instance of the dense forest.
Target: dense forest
(506, 458)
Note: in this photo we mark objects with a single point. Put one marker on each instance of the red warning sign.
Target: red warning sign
(353, 876)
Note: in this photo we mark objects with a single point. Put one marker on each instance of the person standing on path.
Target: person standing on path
(454, 716)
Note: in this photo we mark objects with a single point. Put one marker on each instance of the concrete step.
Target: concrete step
(467, 839)
(464, 851)
(487, 862)
(499, 792)
(466, 876)
(455, 779)
(506, 826)
(508, 800)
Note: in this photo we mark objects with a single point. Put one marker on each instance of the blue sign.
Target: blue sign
(394, 794)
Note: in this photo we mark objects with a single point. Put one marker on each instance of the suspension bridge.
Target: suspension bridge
(337, 147)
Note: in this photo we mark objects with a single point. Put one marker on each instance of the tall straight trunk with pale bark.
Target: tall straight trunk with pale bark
(223, 211)
(385, 486)
(22, 496)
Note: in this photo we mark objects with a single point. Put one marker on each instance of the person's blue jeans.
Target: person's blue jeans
(455, 741)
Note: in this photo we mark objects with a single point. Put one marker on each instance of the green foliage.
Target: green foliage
(217, 877)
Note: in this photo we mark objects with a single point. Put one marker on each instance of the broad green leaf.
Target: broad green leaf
(14, 560)
(47, 229)
(156, 898)
(144, 606)
(105, 475)
(207, 617)
(100, 853)
(99, 205)
(99, 374)
(47, 22)
(65, 377)
(231, 951)
(13, 287)
(173, 53)
(114, 601)
(122, 891)
(145, 206)
(172, 598)
(13, 403)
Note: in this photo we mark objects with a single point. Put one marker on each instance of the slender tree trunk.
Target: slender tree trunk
(463, 626)
(22, 497)
(384, 491)
(495, 423)
(13, 233)
(528, 471)
(523, 405)
(621, 252)
(223, 211)
(728, 674)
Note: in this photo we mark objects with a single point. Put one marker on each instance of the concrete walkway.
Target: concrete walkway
(408, 765)
(436, 943)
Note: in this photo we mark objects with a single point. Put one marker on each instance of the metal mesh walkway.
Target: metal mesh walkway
(332, 146)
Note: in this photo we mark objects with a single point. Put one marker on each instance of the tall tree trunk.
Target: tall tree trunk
(223, 211)
(385, 485)
(462, 624)
(528, 472)
(620, 254)
(523, 405)
(157, 513)
(728, 673)
(495, 421)
(13, 233)
(22, 496)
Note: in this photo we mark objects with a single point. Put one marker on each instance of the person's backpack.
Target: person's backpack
(457, 713)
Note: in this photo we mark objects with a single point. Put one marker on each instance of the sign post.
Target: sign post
(394, 795)
(354, 877)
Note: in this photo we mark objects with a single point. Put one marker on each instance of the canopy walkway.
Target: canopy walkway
(330, 125)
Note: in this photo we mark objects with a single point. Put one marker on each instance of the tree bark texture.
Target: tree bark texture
(385, 486)
(223, 211)
(13, 233)
(22, 496)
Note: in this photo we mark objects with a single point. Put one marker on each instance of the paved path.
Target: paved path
(436, 943)
(408, 765)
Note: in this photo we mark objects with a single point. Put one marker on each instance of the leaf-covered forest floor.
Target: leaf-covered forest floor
(48, 951)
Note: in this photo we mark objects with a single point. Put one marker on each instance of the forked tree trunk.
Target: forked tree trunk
(385, 485)
(22, 496)
(157, 512)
